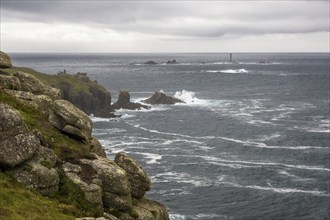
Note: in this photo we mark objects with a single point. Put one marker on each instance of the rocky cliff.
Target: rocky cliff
(49, 156)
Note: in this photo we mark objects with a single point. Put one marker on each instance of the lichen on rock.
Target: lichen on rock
(17, 143)
(5, 61)
(139, 181)
(71, 120)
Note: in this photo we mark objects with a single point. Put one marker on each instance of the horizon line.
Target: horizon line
(226, 52)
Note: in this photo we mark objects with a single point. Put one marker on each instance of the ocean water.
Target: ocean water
(251, 141)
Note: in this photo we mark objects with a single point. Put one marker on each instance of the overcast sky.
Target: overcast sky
(164, 26)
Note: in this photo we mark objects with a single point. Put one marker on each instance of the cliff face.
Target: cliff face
(94, 99)
(46, 145)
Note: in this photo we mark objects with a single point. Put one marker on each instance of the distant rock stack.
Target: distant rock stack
(124, 102)
(5, 61)
(171, 62)
(161, 98)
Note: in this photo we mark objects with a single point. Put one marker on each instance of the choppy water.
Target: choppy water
(252, 141)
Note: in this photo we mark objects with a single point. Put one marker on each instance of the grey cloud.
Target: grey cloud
(179, 18)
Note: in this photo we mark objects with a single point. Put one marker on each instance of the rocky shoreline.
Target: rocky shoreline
(47, 146)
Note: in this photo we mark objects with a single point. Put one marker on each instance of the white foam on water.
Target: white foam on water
(278, 190)
(126, 116)
(185, 178)
(132, 143)
(268, 137)
(289, 190)
(158, 132)
(253, 143)
(216, 159)
(154, 108)
(151, 158)
(108, 131)
(296, 178)
(228, 71)
(177, 217)
(202, 216)
(173, 192)
(99, 119)
(186, 96)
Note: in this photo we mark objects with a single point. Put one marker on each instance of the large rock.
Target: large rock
(171, 62)
(96, 147)
(38, 177)
(5, 61)
(139, 181)
(157, 209)
(30, 83)
(38, 173)
(71, 120)
(77, 173)
(142, 214)
(124, 102)
(42, 102)
(119, 202)
(9, 82)
(161, 98)
(115, 184)
(17, 143)
(151, 62)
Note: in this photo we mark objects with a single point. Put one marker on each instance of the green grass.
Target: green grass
(56, 80)
(17, 202)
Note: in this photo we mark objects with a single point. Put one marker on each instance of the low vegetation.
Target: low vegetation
(69, 201)
(17, 202)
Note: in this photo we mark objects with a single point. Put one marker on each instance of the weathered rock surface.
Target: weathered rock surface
(41, 102)
(161, 98)
(17, 143)
(71, 120)
(96, 147)
(38, 173)
(142, 214)
(139, 181)
(36, 176)
(157, 209)
(10, 82)
(115, 185)
(125, 103)
(30, 83)
(5, 61)
(93, 192)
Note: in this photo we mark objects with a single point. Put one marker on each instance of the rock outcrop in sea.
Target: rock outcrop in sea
(46, 145)
(124, 102)
(151, 62)
(161, 98)
(171, 62)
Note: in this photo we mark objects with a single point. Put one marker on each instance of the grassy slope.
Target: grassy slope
(16, 202)
(55, 80)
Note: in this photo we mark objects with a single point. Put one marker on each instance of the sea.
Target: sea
(251, 140)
